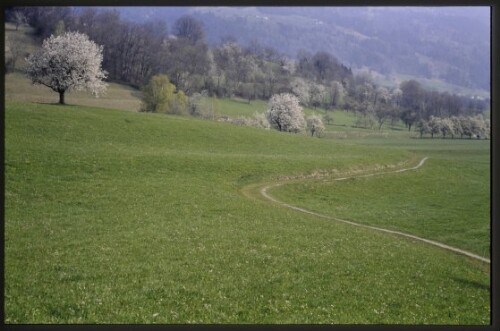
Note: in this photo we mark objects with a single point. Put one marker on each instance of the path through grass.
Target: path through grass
(447, 200)
(122, 217)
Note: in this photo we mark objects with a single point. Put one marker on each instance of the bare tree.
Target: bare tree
(423, 127)
(189, 28)
(19, 18)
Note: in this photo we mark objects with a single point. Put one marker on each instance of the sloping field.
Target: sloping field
(117, 96)
(446, 200)
(124, 217)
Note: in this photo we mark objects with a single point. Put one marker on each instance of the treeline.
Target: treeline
(135, 52)
(455, 126)
(409, 103)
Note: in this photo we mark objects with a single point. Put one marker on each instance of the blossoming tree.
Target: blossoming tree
(315, 125)
(68, 62)
(285, 114)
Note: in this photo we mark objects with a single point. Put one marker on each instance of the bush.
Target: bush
(160, 96)
(259, 120)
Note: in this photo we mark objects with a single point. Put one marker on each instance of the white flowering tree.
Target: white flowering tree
(315, 125)
(68, 62)
(285, 114)
(446, 127)
(478, 126)
(434, 125)
(457, 127)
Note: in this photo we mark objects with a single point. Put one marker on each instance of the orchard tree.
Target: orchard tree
(237, 68)
(434, 125)
(382, 112)
(423, 127)
(301, 89)
(446, 127)
(317, 94)
(457, 126)
(487, 127)
(285, 114)
(466, 125)
(478, 127)
(383, 107)
(315, 125)
(68, 62)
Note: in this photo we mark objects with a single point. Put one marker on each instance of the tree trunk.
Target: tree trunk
(61, 97)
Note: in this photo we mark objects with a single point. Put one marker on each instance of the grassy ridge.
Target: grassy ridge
(122, 217)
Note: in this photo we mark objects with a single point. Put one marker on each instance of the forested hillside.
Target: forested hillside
(449, 44)
(181, 57)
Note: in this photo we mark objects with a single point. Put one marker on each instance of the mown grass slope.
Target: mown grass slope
(123, 217)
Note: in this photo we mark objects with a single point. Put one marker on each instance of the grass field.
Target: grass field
(116, 216)
(117, 96)
(447, 200)
(124, 217)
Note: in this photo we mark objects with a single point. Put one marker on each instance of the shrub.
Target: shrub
(160, 96)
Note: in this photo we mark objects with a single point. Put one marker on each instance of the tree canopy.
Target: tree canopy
(68, 62)
(161, 96)
(285, 114)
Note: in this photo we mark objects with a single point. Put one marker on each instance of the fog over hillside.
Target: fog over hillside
(449, 44)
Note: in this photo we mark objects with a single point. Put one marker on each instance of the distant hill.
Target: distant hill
(449, 44)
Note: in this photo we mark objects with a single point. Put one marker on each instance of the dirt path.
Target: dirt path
(264, 193)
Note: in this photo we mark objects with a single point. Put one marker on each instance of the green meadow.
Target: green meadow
(447, 200)
(117, 216)
(123, 217)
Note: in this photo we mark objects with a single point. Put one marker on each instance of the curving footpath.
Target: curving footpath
(265, 194)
